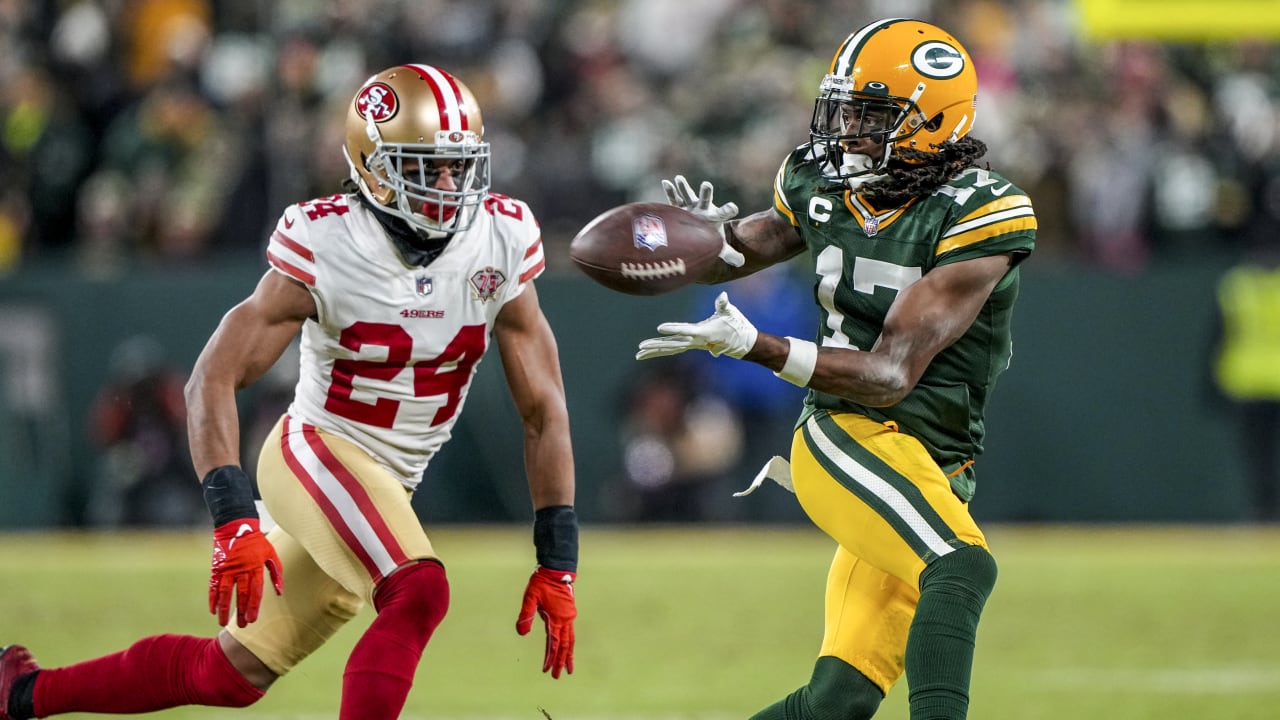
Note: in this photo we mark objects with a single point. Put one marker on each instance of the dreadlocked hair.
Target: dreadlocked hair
(913, 173)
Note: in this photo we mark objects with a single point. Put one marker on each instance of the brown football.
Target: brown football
(645, 248)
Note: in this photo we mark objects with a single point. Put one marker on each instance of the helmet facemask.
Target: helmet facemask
(409, 171)
(842, 115)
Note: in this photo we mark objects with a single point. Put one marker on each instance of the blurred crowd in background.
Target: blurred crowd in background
(175, 131)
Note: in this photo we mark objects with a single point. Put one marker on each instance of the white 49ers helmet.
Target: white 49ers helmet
(404, 124)
(905, 82)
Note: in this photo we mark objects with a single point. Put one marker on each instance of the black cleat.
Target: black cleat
(15, 661)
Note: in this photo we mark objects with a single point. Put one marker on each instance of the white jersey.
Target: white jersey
(389, 358)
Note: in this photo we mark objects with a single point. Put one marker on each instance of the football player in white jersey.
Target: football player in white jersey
(396, 288)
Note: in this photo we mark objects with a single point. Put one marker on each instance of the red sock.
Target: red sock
(379, 674)
(154, 673)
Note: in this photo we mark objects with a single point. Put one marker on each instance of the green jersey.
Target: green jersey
(863, 256)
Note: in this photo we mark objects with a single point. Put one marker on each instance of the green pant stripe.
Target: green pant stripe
(893, 496)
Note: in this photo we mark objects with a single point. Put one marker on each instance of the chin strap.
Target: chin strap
(859, 166)
(862, 165)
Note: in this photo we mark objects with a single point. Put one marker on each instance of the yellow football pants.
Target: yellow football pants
(883, 499)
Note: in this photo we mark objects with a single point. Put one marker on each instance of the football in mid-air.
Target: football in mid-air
(646, 248)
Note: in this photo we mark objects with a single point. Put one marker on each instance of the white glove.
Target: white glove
(726, 332)
(680, 194)
(777, 470)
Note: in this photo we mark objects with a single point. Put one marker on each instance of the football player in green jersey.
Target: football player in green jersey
(915, 251)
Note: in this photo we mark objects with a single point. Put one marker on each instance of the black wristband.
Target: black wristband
(229, 495)
(555, 537)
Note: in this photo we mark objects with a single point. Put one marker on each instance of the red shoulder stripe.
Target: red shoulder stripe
(292, 271)
(302, 250)
(528, 275)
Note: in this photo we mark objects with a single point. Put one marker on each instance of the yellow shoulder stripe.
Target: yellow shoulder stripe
(1003, 203)
(998, 217)
(780, 200)
(1022, 221)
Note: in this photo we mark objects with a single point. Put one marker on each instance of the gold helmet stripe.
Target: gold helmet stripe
(453, 113)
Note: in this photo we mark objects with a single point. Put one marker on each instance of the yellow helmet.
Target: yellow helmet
(904, 82)
(401, 124)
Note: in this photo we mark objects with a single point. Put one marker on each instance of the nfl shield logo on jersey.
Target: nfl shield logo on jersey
(871, 225)
(424, 285)
(649, 231)
(485, 283)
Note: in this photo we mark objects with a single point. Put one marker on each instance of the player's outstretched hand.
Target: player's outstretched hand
(680, 193)
(240, 551)
(549, 595)
(726, 332)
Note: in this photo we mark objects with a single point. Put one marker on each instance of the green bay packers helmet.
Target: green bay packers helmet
(404, 123)
(905, 83)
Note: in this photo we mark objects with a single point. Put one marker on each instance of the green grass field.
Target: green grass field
(1115, 623)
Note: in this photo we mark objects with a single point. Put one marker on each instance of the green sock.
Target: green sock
(837, 691)
(939, 661)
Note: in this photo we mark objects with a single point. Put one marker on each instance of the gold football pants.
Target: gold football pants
(343, 523)
(883, 499)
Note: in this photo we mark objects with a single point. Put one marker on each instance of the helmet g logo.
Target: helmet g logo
(937, 60)
(377, 100)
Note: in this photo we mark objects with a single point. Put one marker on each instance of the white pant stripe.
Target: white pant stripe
(348, 511)
(878, 487)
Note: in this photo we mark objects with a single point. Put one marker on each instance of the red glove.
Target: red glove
(239, 552)
(550, 594)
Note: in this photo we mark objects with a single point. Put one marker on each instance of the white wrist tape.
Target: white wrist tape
(801, 360)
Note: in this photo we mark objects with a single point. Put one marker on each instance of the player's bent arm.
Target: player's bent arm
(532, 365)
(764, 238)
(247, 342)
(925, 318)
